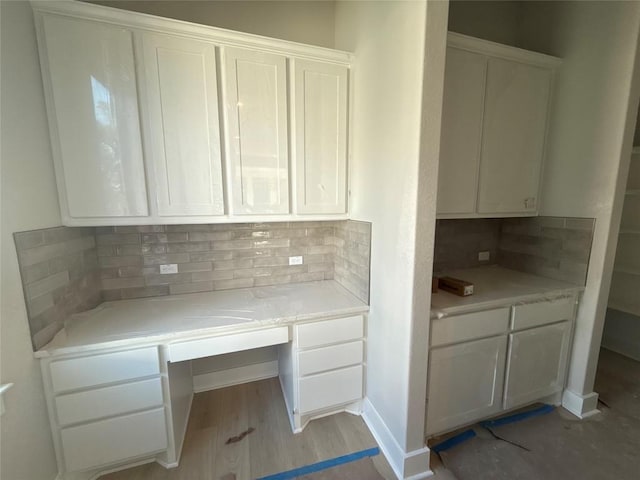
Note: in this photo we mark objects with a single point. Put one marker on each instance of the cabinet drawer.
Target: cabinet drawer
(329, 358)
(542, 313)
(469, 326)
(105, 368)
(113, 440)
(205, 347)
(108, 401)
(327, 332)
(330, 389)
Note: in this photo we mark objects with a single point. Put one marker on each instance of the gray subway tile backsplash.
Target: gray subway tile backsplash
(60, 277)
(553, 247)
(67, 270)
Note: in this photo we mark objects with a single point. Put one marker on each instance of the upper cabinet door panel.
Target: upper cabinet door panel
(320, 137)
(256, 127)
(461, 131)
(517, 97)
(89, 73)
(184, 129)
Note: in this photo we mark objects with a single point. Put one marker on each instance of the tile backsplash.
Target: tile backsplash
(211, 257)
(457, 243)
(352, 242)
(59, 269)
(66, 270)
(552, 247)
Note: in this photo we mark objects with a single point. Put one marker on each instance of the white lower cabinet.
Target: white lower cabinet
(537, 363)
(465, 382)
(523, 361)
(322, 370)
(113, 440)
(106, 408)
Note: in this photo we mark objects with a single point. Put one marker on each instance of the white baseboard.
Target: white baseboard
(234, 376)
(406, 465)
(582, 406)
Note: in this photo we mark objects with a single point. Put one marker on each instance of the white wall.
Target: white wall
(388, 41)
(29, 201)
(298, 21)
(589, 142)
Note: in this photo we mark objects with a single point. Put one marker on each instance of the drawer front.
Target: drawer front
(105, 368)
(206, 347)
(327, 332)
(329, 389)
(542, 313)
(114, 440)
(470, 326)
(329, 358)
(108, 401)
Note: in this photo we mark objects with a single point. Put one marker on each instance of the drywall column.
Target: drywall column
(589, 147)
(29, 201)
(388, 40)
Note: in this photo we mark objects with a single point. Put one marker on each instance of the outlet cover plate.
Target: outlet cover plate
(169, 268)
(295, 260)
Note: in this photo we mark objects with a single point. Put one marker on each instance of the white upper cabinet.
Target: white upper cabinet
(320, 139)
(184, 130)
(461, 119)
(495, 114)
(515, 121)
(158, 121)
(255, 89)
(90, 83)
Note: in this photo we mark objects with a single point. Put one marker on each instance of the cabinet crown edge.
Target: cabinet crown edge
(494, 49)
(221, 36)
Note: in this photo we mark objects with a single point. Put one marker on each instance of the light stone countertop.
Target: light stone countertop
(494, 287)
(162, 320)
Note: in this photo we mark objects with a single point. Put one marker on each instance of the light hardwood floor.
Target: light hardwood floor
(271, 448)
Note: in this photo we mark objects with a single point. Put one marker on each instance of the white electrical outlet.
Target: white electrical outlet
(169, 268)
(484, 256)
(295, 260)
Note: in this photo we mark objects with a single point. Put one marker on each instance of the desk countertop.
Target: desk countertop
(162, 320)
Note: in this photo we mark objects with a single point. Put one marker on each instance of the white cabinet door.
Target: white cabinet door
(514, 127)
(465, 383)
(537, 363)
(461, 131)
(255, 90)
(90, 80)
(320, 159)
(184, 130)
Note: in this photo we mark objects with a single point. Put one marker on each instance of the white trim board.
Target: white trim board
(406, 465)
(234, 376)
(582, 406)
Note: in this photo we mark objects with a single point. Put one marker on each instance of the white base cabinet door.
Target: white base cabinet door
(184, 130)
(465, 382)
(537, 363)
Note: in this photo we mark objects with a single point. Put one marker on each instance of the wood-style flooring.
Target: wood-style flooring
(271, 448)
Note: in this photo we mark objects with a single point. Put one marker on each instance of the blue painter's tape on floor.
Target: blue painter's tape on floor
(543, 410)
(316, 467)
(453, 441)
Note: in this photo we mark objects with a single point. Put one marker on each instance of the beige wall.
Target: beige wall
(590, 139)
(29, 200)
(491, 20)
(388, 39)
(309, 22)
